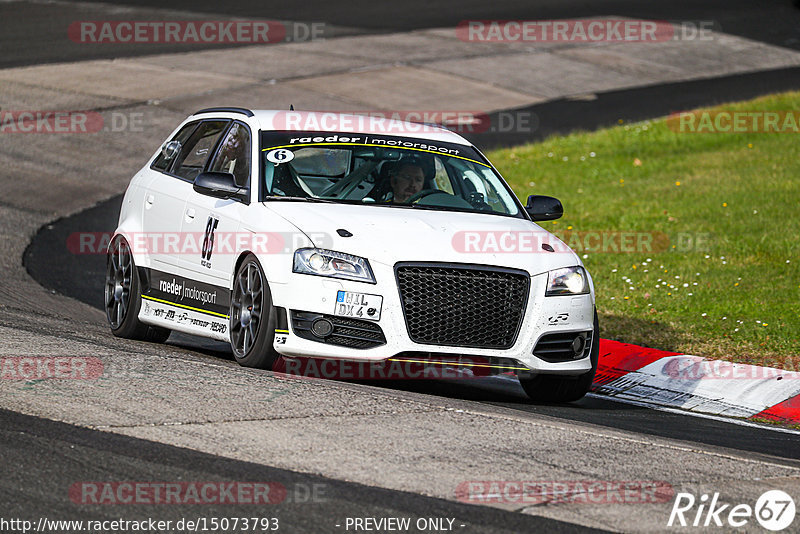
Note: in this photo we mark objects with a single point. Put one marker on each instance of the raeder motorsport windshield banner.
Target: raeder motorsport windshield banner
(271, 140)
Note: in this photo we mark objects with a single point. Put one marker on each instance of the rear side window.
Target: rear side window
(163, 162)
(198, 148)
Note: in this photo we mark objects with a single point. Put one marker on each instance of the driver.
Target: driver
(407, 180)
(233, 155)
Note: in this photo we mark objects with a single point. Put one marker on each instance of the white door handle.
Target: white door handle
(190, 214)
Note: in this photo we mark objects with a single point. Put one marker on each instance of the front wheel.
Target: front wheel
(556, 388)
(123, 297)
(252, 317)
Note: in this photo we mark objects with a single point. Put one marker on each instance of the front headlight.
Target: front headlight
(567, 281)
(321, 262)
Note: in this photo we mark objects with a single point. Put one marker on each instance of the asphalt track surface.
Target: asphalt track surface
(74, 453)
(33, 32)
(312, 503)
(81, 276)
(565, 115)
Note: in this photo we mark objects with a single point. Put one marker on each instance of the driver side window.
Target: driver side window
(234, 155)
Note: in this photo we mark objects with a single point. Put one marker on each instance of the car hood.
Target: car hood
(388, 235)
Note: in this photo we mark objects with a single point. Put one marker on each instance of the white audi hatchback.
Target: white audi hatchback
(348, 237)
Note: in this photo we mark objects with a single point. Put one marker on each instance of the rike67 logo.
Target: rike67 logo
(774, 510)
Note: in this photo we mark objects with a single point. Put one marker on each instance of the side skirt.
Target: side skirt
(184, 305)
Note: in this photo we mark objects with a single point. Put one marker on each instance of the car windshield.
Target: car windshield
(381, 170)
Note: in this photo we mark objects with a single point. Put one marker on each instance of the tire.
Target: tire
(556, 388)
(252, 317)
(123, 298)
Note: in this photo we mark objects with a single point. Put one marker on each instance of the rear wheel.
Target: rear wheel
(252, 317)
(557, 388)
(123, 298)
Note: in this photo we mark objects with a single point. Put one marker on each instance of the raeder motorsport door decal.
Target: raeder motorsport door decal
(186, 293)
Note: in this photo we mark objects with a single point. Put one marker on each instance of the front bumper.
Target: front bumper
(543, 315)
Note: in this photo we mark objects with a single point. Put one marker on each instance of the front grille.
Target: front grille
(463, 306)
(352, 333)
(558, 347)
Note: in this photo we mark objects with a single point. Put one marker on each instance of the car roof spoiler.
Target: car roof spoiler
(243, 111)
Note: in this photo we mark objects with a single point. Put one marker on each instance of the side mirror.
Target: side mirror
(220, 185)
(542, 208)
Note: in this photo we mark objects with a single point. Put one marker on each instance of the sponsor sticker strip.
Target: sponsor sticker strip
(172, 312)
(380, 143)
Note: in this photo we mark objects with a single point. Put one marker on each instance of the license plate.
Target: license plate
(358, 305)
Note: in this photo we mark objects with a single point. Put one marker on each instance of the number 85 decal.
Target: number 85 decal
(208, 239)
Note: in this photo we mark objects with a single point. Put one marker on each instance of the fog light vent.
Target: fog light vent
(578, 345)
(321, 328)
(563, 346)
